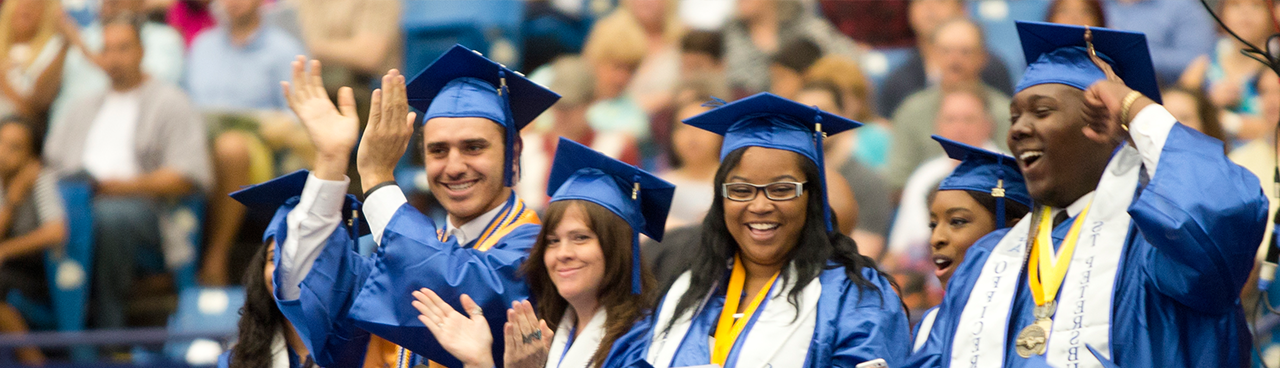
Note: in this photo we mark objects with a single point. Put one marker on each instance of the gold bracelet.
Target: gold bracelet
(1127, 103)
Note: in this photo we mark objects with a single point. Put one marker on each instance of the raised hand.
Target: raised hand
(387, 134)
(333, 130)
(1104, 104)
(528, 339)
(466, 338)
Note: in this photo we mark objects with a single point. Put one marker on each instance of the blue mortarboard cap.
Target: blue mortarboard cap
(462, 83)
(281, 195)
(635, 195)
(984, 171)
(1058, 53)
(766, 120)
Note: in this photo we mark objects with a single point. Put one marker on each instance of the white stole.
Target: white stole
(279, 352)
(926, 325)
(584, 345)
(1084, 302)
(777, 338)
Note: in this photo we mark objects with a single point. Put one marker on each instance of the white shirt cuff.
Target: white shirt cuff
(1149, 130)
(380, 206)
(318, 213)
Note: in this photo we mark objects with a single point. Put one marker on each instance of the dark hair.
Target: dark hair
(615, 236)
(1013, 211)
(828, 87)
(1095, 7)
(260, 318)
(815, 247)
(704, 42)
(34, 133)
(798, 55)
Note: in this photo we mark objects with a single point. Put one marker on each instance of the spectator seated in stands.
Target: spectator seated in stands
(357, 40)
(143, 144)
(870, 143)
(786, 73)
(236, 68)
(658, 72)
(32, 220)
(83, 75)
(760, 30)
(1228, 77)
(695, 156)
(966, 116)
(613, 55)
(32, 51)
(958, 46)
(569, 120)
(874, 207)
(924, 66)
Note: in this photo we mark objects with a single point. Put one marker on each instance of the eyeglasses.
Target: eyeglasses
(777, 191)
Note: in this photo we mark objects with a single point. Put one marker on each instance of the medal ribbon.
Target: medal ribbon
(728, 330)
(1043, 262)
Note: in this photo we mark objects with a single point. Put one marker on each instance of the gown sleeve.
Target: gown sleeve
(870, 325)
(320, 312)
(318, 273)
(1202, 214)
(411, 257)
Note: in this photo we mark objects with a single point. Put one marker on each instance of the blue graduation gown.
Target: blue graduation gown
(1190, 248)
(345, 297)
(852, 327)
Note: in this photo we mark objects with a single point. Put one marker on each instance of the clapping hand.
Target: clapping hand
(333, 130)
(528, 339)
(387, 135)
(465, 337)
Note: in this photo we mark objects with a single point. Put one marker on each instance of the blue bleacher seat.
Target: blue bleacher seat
(433, 26)
(212, 312)
(996, 19)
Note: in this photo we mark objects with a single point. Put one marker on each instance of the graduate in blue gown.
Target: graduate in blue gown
(799, 294)
(472, 109)
(585, 268)
(984, 193)
(265, 338)
(1157, 238)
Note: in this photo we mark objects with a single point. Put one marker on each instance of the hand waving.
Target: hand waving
(528, 339)
(467, 338)
(332, 129)
(388, 132)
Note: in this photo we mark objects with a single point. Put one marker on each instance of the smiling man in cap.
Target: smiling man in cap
(1141, 236)
(473, 109)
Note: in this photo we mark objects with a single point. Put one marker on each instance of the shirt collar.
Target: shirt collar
(472, 229)
(1078, 206)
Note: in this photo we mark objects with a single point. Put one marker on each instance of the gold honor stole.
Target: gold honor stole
(729, 328)
(515, 215)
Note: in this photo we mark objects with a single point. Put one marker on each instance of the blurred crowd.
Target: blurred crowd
(158, 103)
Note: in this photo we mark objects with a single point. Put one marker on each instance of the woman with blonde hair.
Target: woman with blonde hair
(31, 53)
(613, 54)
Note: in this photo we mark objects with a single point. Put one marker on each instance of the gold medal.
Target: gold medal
(1031, 341)
(1045, 273)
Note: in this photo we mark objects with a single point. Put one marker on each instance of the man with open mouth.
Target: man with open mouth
(1140, 239)
(473, 110)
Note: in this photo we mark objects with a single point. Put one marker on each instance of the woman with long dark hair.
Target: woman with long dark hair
(584, 267)
(771, 283)
(266, 338)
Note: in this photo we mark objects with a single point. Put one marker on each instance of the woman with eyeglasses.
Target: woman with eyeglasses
(771, 284)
